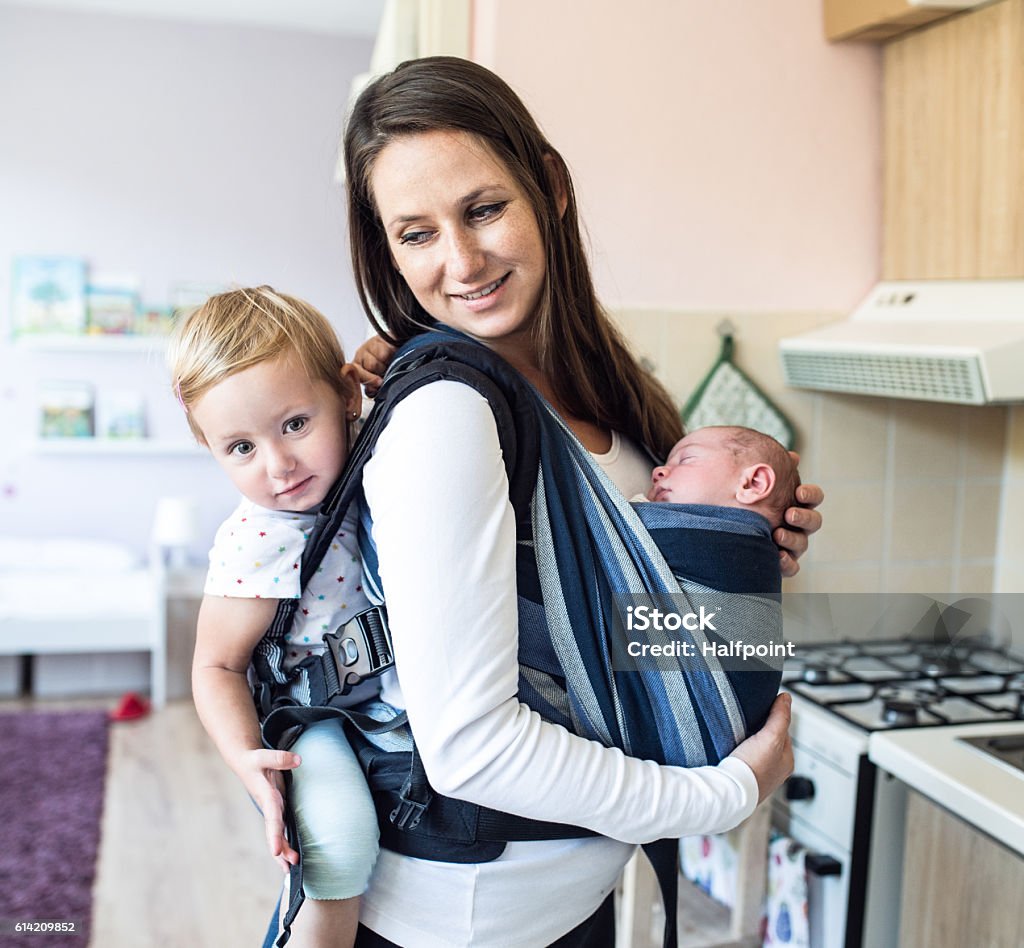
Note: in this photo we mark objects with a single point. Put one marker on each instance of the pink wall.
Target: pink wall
(726, 155)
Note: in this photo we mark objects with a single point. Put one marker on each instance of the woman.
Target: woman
(462, 213)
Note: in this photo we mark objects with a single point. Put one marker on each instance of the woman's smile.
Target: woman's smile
(481, 299)
(463, 234)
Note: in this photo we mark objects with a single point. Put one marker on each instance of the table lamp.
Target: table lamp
(175, 528)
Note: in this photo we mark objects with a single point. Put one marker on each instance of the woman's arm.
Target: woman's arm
(227, 633)
(445, 535)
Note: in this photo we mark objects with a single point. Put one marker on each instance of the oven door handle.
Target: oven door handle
(821, 864)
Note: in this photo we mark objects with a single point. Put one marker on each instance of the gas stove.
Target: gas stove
(909, 683)
(847, 813)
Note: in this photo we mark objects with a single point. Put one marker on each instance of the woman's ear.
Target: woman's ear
(756, 483)
(556, 176)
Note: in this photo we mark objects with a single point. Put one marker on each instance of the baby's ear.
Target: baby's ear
(756, 483)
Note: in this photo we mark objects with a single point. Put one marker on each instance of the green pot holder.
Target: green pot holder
(727, 396)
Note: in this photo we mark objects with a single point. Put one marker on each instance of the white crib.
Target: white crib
(68, 596)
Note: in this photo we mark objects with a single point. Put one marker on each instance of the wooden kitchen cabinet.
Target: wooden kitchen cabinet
(878, 20)
(953, 204)
(960, 887)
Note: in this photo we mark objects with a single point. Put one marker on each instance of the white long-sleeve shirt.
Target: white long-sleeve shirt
(445, 535)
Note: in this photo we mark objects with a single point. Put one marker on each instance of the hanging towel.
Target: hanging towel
(786, 921)
(711, 863)
(727, 396)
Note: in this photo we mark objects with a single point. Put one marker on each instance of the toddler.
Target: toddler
(262, 380)
(728, 467)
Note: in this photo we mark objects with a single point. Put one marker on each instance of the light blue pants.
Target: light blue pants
(334, 814)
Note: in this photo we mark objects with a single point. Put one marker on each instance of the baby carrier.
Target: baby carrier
(592, 572)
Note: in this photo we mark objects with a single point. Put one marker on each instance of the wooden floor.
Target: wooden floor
(182, 857)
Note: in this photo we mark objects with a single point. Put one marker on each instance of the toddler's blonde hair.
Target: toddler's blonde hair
(241, 328)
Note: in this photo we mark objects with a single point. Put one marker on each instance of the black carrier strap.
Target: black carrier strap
(414, 820)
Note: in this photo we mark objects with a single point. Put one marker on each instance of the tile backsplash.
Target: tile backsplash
(1010, 571)
(914, 490)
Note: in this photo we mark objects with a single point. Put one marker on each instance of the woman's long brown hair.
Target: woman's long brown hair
(579, 349)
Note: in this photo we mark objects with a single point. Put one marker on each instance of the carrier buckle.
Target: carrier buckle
(407, 814)
(361, 648)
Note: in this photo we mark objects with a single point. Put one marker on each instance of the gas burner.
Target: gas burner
(900, 704)
(937, 661)
(817, 669)
(900, 712)
(816, 674)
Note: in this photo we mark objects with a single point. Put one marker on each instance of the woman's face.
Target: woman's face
(463, 235)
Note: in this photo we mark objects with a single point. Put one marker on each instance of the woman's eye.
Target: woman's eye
(241, 449)
(294, 424)
(486, 211)
(413, 238)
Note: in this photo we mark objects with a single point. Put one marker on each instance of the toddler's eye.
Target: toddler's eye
(241, 449)
(294, 424)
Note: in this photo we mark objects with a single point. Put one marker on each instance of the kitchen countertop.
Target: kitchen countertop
(973, 785)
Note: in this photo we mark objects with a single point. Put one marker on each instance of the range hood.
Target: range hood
(935, 340)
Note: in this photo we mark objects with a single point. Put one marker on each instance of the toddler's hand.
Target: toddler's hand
(260, 770)
(371, 361)
(769, 752)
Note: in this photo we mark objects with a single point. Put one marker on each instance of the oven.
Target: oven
(845, 812)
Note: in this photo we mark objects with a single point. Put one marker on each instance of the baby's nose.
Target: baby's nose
(659, 473)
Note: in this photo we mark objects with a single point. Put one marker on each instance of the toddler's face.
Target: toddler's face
(700, 469)
(280, 436)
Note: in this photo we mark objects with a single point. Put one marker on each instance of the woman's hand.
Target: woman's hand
(769, 752)
(804, 520)
(259, 771)
(370, 363)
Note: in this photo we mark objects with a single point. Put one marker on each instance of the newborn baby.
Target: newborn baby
(728, 467)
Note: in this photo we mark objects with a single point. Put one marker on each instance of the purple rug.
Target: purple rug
(52, 776)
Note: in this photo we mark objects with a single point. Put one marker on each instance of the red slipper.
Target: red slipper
(130, 707)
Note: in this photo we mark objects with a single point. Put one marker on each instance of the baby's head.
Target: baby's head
(263, 382)
(728, 467)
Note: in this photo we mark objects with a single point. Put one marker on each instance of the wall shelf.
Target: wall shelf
(86, 343)
(127, 446)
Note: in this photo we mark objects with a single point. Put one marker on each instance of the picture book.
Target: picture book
(66, 410)
(120, 414)
(113, 303)
(48, 295)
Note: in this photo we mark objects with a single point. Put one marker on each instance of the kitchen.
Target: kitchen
(792, 176)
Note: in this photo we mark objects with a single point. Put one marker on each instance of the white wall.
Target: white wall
(176, 152)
